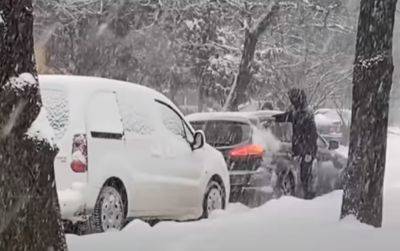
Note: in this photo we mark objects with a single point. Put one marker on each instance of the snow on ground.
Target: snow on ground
(284, 224)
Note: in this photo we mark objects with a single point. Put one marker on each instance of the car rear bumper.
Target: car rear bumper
(73, 202)
(247, 186)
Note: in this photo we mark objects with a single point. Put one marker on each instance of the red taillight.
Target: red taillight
(247, 151)
(335, 129)
(78, 167)
(79, 153)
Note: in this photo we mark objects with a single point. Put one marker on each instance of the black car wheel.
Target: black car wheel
(286, 184)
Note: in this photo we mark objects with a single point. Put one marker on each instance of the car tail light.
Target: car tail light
(335, 129)
(247, 151)
(79, 153)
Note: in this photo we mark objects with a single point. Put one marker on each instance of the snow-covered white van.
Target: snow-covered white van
(125, 151)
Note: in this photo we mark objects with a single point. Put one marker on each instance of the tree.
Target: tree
(184, 48)
(237, 94)
(372, 80)
(309, 48)
(29, 210)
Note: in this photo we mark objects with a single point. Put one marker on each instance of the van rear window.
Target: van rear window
(56, 104)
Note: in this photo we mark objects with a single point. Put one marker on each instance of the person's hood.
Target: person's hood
(298, 98)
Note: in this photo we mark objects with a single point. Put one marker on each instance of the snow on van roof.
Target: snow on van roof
(79, 87)
(76, 84)
(79, 83)
(231, 115)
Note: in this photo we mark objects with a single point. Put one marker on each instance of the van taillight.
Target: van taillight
(79, 153)
(247, 151)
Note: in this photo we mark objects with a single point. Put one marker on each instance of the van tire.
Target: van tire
(215, 195)
(109, 211)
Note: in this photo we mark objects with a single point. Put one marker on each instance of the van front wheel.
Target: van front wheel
(214, 198)
(109, 212)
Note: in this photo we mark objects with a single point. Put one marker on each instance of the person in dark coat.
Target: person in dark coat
(304, 139)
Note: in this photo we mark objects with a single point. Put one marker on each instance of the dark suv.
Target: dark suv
(259, 157)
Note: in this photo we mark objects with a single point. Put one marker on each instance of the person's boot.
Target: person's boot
(308, 193)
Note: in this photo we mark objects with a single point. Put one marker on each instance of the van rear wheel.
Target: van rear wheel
(109, 212)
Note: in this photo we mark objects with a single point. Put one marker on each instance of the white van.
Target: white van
(127, 152)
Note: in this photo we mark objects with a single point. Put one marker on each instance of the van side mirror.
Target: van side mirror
(199, 140)
(333, 145)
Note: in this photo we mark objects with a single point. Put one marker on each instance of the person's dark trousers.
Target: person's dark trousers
(306, 176)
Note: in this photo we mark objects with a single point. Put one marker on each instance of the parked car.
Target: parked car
(126, 151)
(259, 157)
(334, 124)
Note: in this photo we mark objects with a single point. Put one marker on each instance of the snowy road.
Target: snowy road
(284, 224)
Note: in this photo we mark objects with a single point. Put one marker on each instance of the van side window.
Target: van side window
(56, 104)
(171, 120)
(134, 120)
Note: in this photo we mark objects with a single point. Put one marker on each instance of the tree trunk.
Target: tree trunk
(29, 210)
(173, 87)
(238, 93)
(244, 76)
(372, 80)
(201, 97)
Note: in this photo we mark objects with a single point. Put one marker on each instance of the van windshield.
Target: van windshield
(56, 104)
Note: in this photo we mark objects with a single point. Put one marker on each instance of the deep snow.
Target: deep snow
(284, 224)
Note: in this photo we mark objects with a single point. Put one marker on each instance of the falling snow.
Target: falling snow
(206, 57)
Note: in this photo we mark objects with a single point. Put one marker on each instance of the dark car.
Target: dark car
(334, 124)
(258, 154)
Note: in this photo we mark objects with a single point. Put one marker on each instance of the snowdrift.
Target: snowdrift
(284, 224)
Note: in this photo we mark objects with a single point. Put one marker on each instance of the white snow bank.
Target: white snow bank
(279, 225)
(285, 224)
